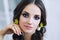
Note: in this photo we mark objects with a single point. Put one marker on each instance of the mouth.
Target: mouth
(28, 27)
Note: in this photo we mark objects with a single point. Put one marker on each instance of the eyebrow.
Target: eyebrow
(25, 12)
(28, 13)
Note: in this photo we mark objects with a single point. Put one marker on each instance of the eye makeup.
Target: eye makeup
(25, 14)
(37, 17)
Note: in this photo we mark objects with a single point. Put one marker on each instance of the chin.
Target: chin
(29, 31)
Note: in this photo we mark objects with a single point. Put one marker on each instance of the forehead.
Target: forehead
(32, 8)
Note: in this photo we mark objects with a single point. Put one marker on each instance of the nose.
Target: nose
(30, 21)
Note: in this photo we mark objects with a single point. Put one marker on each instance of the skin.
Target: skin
(27, 24)
(29, 19)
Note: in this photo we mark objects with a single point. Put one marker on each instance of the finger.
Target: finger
(14, 30)
(16, 27)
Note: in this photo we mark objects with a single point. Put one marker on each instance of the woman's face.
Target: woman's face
(30, 18)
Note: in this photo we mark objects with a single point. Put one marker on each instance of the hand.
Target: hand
(12, 28)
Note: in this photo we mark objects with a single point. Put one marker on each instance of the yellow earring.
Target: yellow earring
(16, 21)
(41, 24)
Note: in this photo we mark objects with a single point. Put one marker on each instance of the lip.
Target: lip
(28, 27)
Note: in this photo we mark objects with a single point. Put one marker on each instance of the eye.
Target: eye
(36, 17)
(26, 15)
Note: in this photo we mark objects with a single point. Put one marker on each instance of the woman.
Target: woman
(28, 22)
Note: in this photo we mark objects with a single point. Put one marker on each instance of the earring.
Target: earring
(16, 21)
(38, 28)
(41, 24)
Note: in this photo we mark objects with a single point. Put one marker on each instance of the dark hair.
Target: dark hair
(38, 35)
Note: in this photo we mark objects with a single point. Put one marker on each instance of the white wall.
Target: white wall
(53, 19)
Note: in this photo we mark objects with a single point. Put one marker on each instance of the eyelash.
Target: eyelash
(36, 17)
(26, 15)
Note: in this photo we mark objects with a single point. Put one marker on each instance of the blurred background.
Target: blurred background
(53, 17)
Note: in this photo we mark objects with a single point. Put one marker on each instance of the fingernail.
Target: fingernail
(20, 33)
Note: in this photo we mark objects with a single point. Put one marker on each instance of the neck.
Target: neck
(27, 36)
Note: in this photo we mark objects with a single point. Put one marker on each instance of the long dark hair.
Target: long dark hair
(38, 35)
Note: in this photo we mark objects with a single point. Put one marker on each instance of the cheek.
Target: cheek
(22, 21)
(36, 23)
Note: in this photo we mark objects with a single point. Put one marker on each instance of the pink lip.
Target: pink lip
(28, 27)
